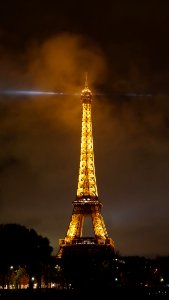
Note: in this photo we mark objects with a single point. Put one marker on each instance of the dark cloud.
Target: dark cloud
(124, 49)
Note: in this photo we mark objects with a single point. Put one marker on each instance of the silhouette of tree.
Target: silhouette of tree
(23, 247)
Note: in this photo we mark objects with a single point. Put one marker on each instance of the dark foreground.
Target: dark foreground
(98, 293)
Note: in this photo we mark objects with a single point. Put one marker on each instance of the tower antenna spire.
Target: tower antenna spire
(86, 81)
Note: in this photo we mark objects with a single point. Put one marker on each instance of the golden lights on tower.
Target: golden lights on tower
(87, 187)
(86, 203)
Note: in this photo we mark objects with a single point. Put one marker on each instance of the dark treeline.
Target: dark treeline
(23, 254)
(26, 262)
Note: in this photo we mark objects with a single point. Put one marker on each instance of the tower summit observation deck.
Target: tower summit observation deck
(86, 203)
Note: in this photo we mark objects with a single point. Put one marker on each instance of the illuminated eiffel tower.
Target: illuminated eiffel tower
(86, 203)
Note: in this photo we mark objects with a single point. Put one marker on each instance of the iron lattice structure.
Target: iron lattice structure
(86, 203)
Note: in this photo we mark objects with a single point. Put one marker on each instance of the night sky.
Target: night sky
(124, 47)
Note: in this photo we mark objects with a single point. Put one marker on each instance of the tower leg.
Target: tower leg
(98, 225)
(75, 227)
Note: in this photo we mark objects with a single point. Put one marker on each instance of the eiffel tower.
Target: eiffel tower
(87, 203)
